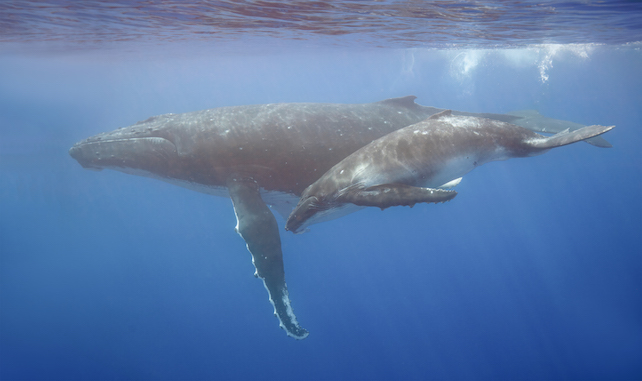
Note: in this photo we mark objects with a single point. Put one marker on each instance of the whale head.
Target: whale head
(315, 208)
(139, 148)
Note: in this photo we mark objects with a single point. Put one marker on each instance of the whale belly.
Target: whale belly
(450, 170)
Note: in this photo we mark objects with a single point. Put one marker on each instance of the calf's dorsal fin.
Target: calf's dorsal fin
(440, 114)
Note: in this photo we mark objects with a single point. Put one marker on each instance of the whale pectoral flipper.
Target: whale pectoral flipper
(387, 195)
(258, 227)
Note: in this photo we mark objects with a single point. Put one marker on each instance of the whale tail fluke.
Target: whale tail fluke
(569, 137)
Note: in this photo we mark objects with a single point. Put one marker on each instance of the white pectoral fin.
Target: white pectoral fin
(451, 184)
(258, 228)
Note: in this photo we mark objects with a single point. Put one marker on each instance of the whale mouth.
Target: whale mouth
(303, 212)
(313, 211)
(78, 152)
(97, 153)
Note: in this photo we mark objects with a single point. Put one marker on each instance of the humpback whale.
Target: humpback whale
(258, 155)
(414, 164)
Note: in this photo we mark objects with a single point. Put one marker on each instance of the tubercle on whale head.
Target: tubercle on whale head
(306, 208)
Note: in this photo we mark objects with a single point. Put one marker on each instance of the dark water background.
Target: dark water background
(533, 272)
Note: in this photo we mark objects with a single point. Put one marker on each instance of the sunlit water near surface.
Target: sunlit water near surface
(383, 23)
(534, 271)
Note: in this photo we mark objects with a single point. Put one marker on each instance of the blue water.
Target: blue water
(534, 271)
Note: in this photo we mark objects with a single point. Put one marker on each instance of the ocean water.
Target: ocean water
(534, 271)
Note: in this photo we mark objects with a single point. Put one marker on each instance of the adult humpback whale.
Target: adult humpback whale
(413, 164)
(256, 155)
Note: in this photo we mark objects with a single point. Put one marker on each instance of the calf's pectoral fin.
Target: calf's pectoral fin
(386, 195)
(258, 227)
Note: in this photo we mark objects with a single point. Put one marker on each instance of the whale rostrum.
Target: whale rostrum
(265, 156)
(414, 164)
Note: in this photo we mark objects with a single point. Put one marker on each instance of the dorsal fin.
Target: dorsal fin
(407, 101)
(440, 114)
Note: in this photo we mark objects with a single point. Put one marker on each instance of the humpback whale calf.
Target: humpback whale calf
(414, 164)
(257, 155)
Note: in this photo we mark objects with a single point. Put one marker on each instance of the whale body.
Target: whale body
(414, 164)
